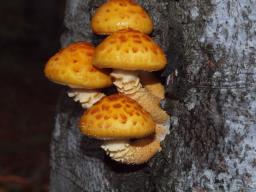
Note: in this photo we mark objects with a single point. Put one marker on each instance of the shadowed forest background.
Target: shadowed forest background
(29, 34)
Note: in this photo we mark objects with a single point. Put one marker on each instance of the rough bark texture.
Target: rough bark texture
(212, 144)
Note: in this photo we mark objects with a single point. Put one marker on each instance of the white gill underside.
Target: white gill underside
(116, 149)
(87, 98)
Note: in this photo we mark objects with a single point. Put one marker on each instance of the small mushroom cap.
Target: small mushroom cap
(129, 50)
(133, 152)
(72, 66)
(117, 117)
(115, 15)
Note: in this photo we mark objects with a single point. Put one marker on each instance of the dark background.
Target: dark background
(29, 35)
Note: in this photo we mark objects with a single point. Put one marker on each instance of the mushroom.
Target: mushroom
(72, 67)
(115, 15)
(117, 119)
(127, 52)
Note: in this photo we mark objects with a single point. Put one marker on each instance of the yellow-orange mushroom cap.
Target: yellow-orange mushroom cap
(117, 117)
(72, 66)
(129, 50)
(115, 15)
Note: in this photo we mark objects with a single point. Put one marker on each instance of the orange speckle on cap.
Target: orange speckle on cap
(122, 38)
(98, 116)
(117, 105)
(106, 117)
(93, 111)
(135, 50)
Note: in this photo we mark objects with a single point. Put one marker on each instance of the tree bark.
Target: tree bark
(212, 145)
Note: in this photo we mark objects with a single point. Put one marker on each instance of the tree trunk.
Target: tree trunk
(212, 145)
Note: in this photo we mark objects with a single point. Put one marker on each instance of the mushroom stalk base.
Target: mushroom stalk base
(132, 152)
(87, 98)
(138, 151)
(151, 104)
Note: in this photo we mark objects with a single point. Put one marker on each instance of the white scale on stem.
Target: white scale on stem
(127, 82)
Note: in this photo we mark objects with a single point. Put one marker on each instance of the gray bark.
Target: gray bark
(212, 145)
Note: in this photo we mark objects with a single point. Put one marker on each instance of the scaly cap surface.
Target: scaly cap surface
(117, 117)
(72, 66)
(129, 50)
(115, 15)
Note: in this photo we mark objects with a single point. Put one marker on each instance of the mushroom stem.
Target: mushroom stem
(128, 83)
(135, 152)
(151, 104)
(87, 98)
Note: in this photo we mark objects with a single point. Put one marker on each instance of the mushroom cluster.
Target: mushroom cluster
(131, 123)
